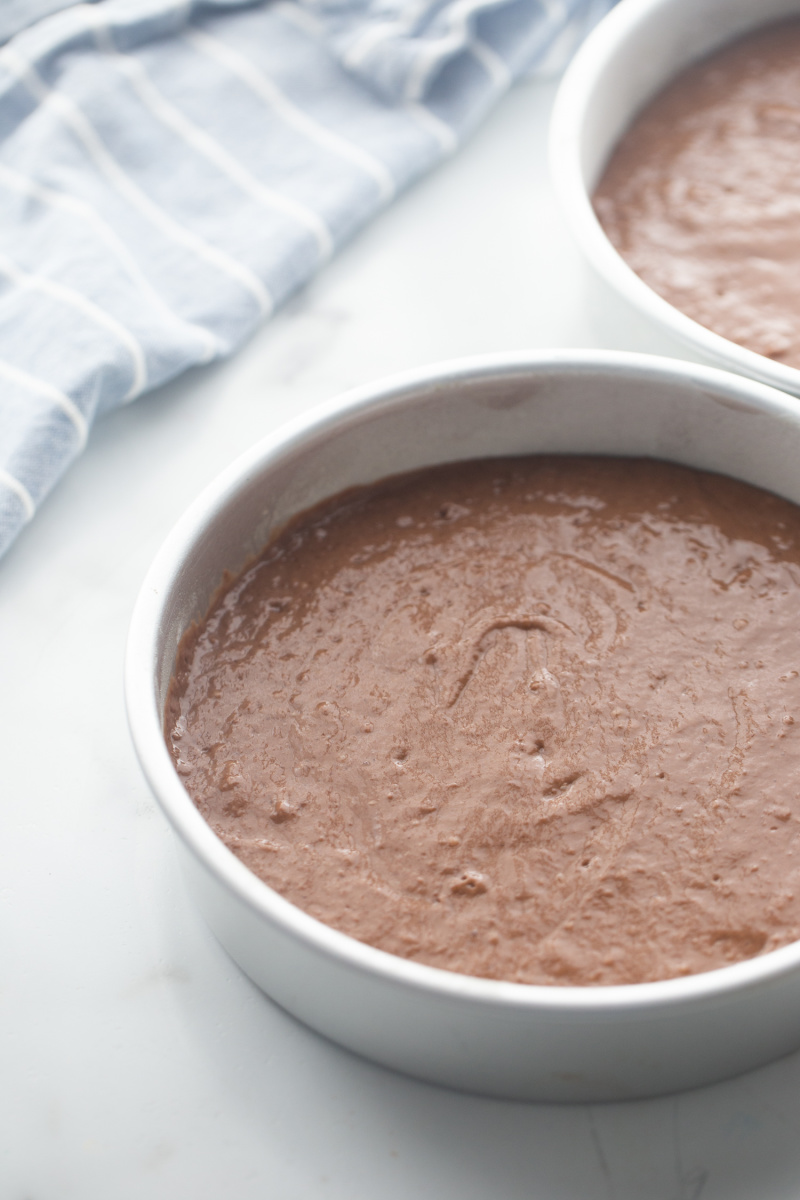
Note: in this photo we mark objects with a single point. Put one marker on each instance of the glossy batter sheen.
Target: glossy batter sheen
(702, 196)
(530, 719)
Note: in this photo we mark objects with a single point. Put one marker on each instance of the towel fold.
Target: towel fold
(171, 171)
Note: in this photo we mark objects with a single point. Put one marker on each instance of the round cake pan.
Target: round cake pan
(501, 1039)
(638, 48)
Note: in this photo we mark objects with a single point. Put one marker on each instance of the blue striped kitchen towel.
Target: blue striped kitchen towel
(171, 170)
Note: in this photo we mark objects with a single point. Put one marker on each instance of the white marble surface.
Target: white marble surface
(135, 1059)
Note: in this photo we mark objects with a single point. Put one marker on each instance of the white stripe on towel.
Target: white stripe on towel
(76, 120)
(381, 31)
(42, 388)
(85, 212)
(434, 52)
(210, 149)
(68, 296)
(299, 17)
(302, 19)
(267, 90)
(445, 135)
(492, 64)
(20, 491)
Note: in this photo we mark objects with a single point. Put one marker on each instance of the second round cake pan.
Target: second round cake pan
(635, 51)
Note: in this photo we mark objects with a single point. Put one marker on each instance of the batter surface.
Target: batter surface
(529, 719)
(702, 196)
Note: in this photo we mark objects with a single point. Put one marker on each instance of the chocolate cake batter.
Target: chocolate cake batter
(529, 719)
(702, 196)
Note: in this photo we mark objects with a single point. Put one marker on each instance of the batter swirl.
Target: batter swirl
(528, 719)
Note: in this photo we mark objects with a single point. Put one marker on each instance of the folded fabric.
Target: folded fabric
(171, 171)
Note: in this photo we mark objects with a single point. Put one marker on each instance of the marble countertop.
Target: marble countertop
(136, 1060)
